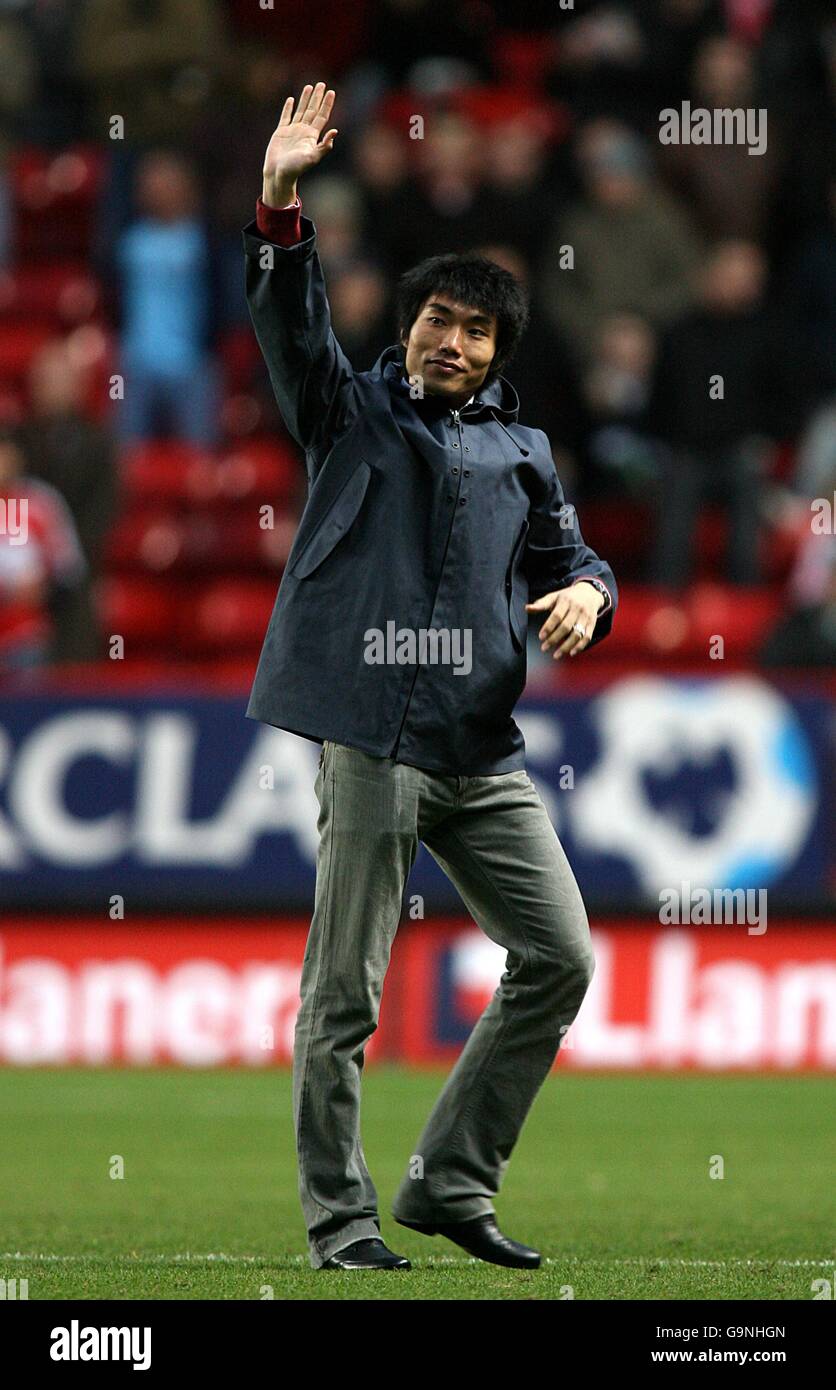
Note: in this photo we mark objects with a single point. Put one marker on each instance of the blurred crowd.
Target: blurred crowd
(527, 131)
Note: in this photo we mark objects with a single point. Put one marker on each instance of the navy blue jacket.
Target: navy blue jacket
(418, 516)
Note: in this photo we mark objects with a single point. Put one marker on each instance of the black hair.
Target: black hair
(473, 280)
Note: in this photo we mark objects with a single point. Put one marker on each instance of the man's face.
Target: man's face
(450, 348)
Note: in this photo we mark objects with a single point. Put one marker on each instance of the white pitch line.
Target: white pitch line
(436, 1259)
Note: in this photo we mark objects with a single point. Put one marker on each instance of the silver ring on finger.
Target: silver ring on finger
(581, 631)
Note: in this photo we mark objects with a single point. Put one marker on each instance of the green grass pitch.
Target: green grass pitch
(610, 1180)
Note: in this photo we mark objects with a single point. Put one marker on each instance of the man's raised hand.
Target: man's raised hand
(295, 144)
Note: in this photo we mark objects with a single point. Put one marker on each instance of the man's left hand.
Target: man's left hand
(579, 605)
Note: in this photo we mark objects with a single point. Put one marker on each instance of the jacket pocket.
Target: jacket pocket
(333, 526)
(516, 589)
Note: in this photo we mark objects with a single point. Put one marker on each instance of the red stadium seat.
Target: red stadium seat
(19, 344)
(161, 539)
(619, 527)
(652, 624)
(61, 294)
(239, 542)
(261, 470)
(710, 542)
(648, 622)
(150, 540)
(741, 616)
(49, 184)
(523, 60)
(241, 356)
(140, 610)
(226, 616)
(41, 178)
(169, 470)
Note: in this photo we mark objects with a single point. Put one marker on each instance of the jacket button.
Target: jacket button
(467, 448)
(467, 472)
(455, 446)
(462, 501)
(454, 470)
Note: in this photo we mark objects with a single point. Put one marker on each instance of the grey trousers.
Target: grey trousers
(493, 838)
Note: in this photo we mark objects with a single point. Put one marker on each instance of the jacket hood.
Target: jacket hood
(498, 399)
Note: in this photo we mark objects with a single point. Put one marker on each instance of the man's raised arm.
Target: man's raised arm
(311, 376)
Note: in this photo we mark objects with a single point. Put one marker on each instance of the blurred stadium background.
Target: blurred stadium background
(157, 850)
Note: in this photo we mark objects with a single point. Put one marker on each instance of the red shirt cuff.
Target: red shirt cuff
(281, 225)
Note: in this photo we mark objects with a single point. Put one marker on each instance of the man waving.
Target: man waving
(434, 524)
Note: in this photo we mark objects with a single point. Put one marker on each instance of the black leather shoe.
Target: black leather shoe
(367, 1254)
(482, 1237)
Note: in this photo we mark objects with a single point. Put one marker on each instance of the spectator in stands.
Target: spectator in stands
(152, 62)
(75, 455)
(815, 464)
(359, 304)
(459, 195)
(380, 168)
(516, 180)
(54, 117)
(723, 394)
(438, 211)
(599, 52)
(40, 558)
(811, 301)
(166, 289)
(333, 33)
(633, 247)
(806, 634)
(18, 78)
(335, 207)
(155, 65)
(405, 32)
(729, 191)
(673, 32)
(544, 374)
(616, 389)
(803, 87)
(225, 145)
